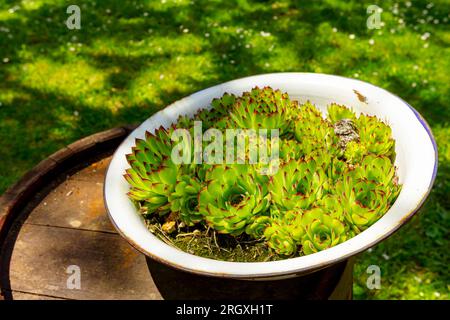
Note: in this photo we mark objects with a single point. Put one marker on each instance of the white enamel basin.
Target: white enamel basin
(416, 161)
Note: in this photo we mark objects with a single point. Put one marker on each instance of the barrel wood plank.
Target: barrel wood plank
(70, 227)
(76, 203)
(109, 267)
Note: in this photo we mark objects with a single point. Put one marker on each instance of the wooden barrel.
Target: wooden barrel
(58, 243)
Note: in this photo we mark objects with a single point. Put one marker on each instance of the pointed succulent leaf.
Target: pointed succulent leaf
(338, 112)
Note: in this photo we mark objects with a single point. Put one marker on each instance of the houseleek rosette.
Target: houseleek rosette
(149, 153)
(285, 234)
(338, 112)
(333, 166)
(218, 116)
(355, 152)
(257, 226)
(279, 239)
(320, 231)
(291, 150)
(153, 177)
(313, 132)
(362, 202)
(184, 199)
(281, 230)
(360, 136)
(367, 191)
(375, 135)
(263, 109)
(152, 174)
(154, 187)
(233, 195)
(297, 184)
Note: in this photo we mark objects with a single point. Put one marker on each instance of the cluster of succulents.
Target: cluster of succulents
(336, 175)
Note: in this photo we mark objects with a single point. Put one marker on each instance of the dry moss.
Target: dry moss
(207, 243)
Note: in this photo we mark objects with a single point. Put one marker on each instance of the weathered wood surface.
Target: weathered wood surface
(76, 203)
(65, 223)
(70, 227)
(110, 268)
(13, 201)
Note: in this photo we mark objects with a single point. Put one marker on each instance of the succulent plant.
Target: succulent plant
(184, 199)
(291, 219)
(356, 199)
(281, 230)
(334, 178)
(313, 132)
(221, 107)
(258, 225)
(152, 174)
(338, 112)
(354, 152)
(232, 197)
(291, 150)
(331, 204)
(379, 171)
(216, 117)
(297, 184)
(279, 239)
(331, 164)
(149, 153)
(367, 191)
(263, 109)
(152, 187)
(375, 135)
(185, 122)
(320, 231)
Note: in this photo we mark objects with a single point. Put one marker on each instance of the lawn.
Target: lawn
(132, 58)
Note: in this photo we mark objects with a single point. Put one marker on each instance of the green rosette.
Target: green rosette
(320, 231)
(233, 195)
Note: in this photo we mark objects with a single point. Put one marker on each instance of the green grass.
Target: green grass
(131, 58)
